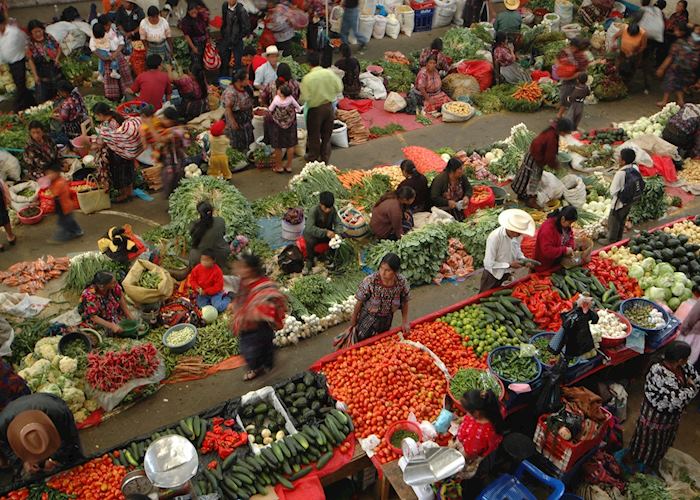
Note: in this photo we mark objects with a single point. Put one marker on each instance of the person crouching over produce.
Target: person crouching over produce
(555, 239)
(102, 303)
(321, 225)
(68, 228)
(38, 434)
(414, 179)
(207, 279)
(478, 437)
(258, 310)
(670, 386)
(379, 296)
(503, 253)
(450, 190)
(391, 215)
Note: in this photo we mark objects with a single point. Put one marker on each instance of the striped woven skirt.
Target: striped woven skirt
(654, 435)
(161, 49)
(528, 178)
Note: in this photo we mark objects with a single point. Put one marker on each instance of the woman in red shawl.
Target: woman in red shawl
(555, 239)
(258, 310)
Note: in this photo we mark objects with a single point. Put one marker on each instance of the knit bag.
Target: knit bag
(212, 59)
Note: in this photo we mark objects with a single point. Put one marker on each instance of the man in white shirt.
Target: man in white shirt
(621, 199)
(13, 47)
(267, 73)
(503, 253)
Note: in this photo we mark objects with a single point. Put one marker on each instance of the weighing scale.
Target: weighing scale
(170, 463)
(423, 465)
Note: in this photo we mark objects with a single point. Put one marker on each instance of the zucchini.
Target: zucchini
(303, 472)
(325, 458)
(284, 481)
(279, 455)
(130, 458)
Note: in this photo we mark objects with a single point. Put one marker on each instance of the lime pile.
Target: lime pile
(482, 336)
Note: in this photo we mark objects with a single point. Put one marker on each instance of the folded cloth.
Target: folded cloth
(362, 105)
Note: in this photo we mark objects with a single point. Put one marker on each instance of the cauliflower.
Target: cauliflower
(91, 405)
(51, 389)
(39, 369)
(74, 398)
(47, 348)
(63, 382)
(28, 360)
(68, 365)
(81, 415)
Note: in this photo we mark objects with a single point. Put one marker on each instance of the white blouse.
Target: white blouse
(155, 33)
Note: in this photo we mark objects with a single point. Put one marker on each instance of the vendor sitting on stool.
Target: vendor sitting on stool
(38, 434)
(207, 280)
(575, 339)
(102, 303)
(321, 225)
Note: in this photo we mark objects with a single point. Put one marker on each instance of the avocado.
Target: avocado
(690, 256)
(308, 379)
(683, 238)
(679, 252)
(683, 269)
(301, 387)
(694, 266)
(647, 253)
(635, 249)
(658, 245)
(673, 243)
(289, 388)
(675, 262)
(667, 254)
(281, 393)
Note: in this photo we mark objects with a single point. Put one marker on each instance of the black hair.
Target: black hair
(53, 167)
(628, 155)
(239, 76)
(153, 61)
(102, 278)
(64, 86)
(327, 199)
(564, 125)
(284, 73)
(253, 262)
(313, 58)
(633, 29)
(405, 193)
(500, 38)
(103, 19)
(676, 351)
(192, 6)
(137, 496)
(580, 43)
(345, 51)
(583, 77)
(205, 222)
(645, 3)
(249, 50)
(98, 30)
(171, 113)
(34, 23)
(430, 58)
(208, 252)
(2, 18)
(568, 212)
(487, 404)
(408, 167)
(453, 165)
(102, 108)
(436, 44)
(197, 70)
(661, 4)
(685, 5)
(34, 124)
(392, 260)
(685, 30)
(153, 11)
(285, 90)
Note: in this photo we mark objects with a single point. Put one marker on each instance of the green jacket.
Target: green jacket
(508, 22)
(317, 223)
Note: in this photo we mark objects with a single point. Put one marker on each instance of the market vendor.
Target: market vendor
(418, 182)
(543, 152)
(670, 386)
(571, 61)
(103, 304)
(12, 386)
(442, 62)
(379, 296)
(391, 215)
(450, 190)
(38, 434)
(428, 87)
(208, 232)
(503, 252)
(510, 20)
(70, 109)
(555, 239)
(120, 244)
(321, 225)
(40, 151)
(683, 131)
(504, 55)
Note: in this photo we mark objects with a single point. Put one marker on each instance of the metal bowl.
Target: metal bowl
(170, 461)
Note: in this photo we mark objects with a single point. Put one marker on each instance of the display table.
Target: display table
(393, 478)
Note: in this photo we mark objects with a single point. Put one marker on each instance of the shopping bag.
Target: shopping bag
(93, 200)
(345, 339)
(212, 59)
(142, 295)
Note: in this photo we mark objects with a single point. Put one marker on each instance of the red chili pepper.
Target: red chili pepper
(230, 422)
(212, 465)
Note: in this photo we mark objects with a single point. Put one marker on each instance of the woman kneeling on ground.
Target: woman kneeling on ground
(391, 216)
(102, 303)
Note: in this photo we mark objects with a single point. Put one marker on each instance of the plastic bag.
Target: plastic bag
(22, 304)
(481, 70)
(379, 29)
(575, 192)
(109, 400)
(643, 157)
(142, 295)
(18, 201)
(680, 470)
(7, 335)
(550, 188)
(408, 21)
(655, 145)
(610, 44)
(9, 167)
(291, 260)
(394, 103)
(372, 86)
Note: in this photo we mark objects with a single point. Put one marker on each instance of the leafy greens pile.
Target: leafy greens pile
(653, 203)
(462, 43)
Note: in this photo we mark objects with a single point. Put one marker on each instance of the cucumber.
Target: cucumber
(502, 293)
(282, 446)
(325, 458)
(230, 487)
(218, 474)
(266, 479)
(228, 462)
(270, 457)
(238, 469)
(185, 430)
(341, 417)
(279, 455)
(301, 439)
(286, 468)
(292, 445)
(202, 432)
(253, 464)
(243, 478)
(331, 423)
(331, 437)
(234, 480)
(195, 426)
(130, 458)
(284, 482)
(303, 472)
(211, 478)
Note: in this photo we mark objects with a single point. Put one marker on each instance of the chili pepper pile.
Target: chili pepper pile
(222, 438)
(545, 304)
(447, 344)
(39, 491)
(382, 383)
(98, 479)
(109, 371)
(606, 271)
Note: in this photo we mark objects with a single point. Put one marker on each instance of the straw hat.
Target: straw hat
(33, 436)
(511, 4)
(518, 221)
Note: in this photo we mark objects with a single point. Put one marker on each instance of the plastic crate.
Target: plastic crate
(565, 454)
(423, 20)
(427, 4)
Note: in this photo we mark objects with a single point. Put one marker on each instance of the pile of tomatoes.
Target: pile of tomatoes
(382, 383)
(97, 479)
(447, 344)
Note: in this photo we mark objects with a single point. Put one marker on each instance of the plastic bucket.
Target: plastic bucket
(184, 347)
(565, 10)
(366, 26)
(626, 304)
(398, 426)
(553, 21)
(339, 137)
(300, 148)
(614, 342)
(571, 31)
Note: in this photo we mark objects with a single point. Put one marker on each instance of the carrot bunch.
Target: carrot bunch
(531, 92)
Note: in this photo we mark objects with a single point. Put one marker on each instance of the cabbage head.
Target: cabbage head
(663, 269)
(656, 294)
(664, 281)
(636, 271)
(646, 282)
(674, 303)
(677, 289)
(648, 264)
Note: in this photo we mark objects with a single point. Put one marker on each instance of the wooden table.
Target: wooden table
(393, 479)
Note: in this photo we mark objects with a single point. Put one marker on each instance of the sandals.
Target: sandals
(12, 242)
(250, 375)
(280, 171)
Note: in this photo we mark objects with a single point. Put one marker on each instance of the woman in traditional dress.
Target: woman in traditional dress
(670, 386)
(429, 87)
(40, 151)
(351, 72)
(680, 69)
(154, 32)
(418, 182)
(192, 88)
(195, 28)
(207, 233)
(257, 310)
(238, 111)
(435, 50)
(543, 152)
(171, 149)
(12, 386)
(555, 239)
(379, 296)
(70, 110)
(103, 304)
(504, 55)
(451, 190)
(43, 59)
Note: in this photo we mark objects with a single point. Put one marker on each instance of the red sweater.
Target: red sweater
(544, 148)
(548, 246)
(209, 279)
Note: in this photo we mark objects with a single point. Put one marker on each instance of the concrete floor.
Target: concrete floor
(173, 402)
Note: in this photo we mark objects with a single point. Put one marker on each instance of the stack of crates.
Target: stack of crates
(424, 12)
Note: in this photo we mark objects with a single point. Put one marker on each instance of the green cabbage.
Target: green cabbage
(648, 264)
(665, 281)
(656, 294)
(674, 303)
(663, 269)
(646, 282)
(677, 289)
(636, 271)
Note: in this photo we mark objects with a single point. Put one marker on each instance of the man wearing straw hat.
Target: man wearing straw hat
(38, 434)
(510, 20)
(503, 253)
